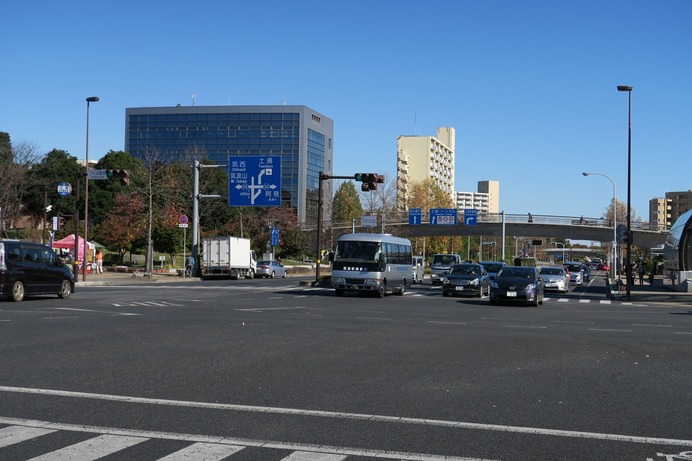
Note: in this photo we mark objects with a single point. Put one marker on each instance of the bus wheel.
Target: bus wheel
(381, 290)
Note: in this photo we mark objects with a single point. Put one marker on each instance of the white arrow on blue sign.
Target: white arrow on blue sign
(470, 217)
(415, 216)
(254, 180)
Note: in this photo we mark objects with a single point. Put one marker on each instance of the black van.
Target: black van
(28, 268)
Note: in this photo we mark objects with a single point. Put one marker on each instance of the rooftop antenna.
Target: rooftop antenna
(194, 95)
(283, 100)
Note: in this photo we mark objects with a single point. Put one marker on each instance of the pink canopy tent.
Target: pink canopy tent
(68, 243)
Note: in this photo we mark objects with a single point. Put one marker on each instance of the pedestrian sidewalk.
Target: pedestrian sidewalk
(661, 291)
(129, 278)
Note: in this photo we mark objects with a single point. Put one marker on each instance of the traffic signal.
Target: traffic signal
(123, 175)
(369, 180)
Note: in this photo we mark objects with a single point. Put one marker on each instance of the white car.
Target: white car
(555, 278)
(270, 269)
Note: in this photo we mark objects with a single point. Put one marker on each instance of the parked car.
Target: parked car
(466, 279)
(28, 268)
(270, 269)
(493, 267)
(577, 272)
(555, 278)
(517, 284)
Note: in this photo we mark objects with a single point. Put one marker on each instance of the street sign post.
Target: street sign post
(415, 216)
(254, 180)
(443, 216)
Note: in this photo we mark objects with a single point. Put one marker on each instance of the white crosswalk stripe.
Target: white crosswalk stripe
(311, 456)
(205, 451)
(91, 449)
(16, 434)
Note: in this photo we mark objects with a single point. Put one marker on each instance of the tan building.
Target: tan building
(423, 157)
(665, 211)
(486, 200)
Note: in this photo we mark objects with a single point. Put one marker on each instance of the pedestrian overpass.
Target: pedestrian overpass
(525, 225)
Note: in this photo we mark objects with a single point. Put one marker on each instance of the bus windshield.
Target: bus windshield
(357, 251)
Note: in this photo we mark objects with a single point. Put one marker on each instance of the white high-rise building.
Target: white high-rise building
(486, 200)
(423, 157)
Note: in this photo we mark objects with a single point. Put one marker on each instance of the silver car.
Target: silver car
(270, 269)
(555, 278)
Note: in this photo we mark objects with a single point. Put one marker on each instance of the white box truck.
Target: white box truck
(225, 256)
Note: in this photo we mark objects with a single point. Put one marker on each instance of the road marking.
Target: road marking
(651, 325)
(610, 329)
(584, 301)
(205, 451)
(525, 326)
(574, 321)
(262, 309)
(309, 456)
(91, 310)
(315, 413)
(92, 449)
(374, 318)
(235, 442)
(683, 332)
(16, 434)
(446, 323)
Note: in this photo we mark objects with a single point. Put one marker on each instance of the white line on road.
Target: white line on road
(373, 318)
(91, 310)
(335, 415)
(525, 326)
(446, 323)
(321, 449)
(261, 309)
(610, 329)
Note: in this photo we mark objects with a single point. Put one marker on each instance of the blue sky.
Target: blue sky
(529, 86)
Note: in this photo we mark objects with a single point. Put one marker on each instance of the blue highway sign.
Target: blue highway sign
(274, 237)
(254, 180)
(414, 216)
(470, 217)
(443, 216)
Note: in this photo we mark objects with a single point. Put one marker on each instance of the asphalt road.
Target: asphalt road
(270, 370)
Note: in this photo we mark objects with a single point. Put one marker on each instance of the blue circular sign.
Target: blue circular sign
(64, 189)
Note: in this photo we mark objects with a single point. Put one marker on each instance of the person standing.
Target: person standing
(99, 262)
(641, 269)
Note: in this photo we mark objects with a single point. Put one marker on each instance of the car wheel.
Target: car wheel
(65, 289)
(403, 288)
(251, 274)
(273, 274)
(380, 291)
(18, 291)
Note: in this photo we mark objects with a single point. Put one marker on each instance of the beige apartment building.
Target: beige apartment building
(663, 212)
(423, 157)
(486, 200)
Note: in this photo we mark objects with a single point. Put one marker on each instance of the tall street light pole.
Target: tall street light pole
(614, 262)
(628, 268)
(89, 100)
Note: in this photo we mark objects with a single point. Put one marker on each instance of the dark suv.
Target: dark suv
(28, 268)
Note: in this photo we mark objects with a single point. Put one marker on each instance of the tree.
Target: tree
(124, 224)
(346, 204)
(16, 178)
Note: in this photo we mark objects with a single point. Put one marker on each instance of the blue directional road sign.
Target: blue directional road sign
(274, 237)
(414, 216)
(254, 180)
(470, 217)
(443, 216)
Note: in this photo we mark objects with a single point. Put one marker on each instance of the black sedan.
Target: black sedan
(517, 284)
(466, 279)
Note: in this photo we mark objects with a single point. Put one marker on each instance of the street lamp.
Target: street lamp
(628, 267)
(615, 222)
(86, 188)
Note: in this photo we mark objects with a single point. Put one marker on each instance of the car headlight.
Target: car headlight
(372, 282)
(338, 280)
(474, 282)
(531, 287)
(445, 281)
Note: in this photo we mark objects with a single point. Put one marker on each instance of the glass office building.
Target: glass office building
(301, 136)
